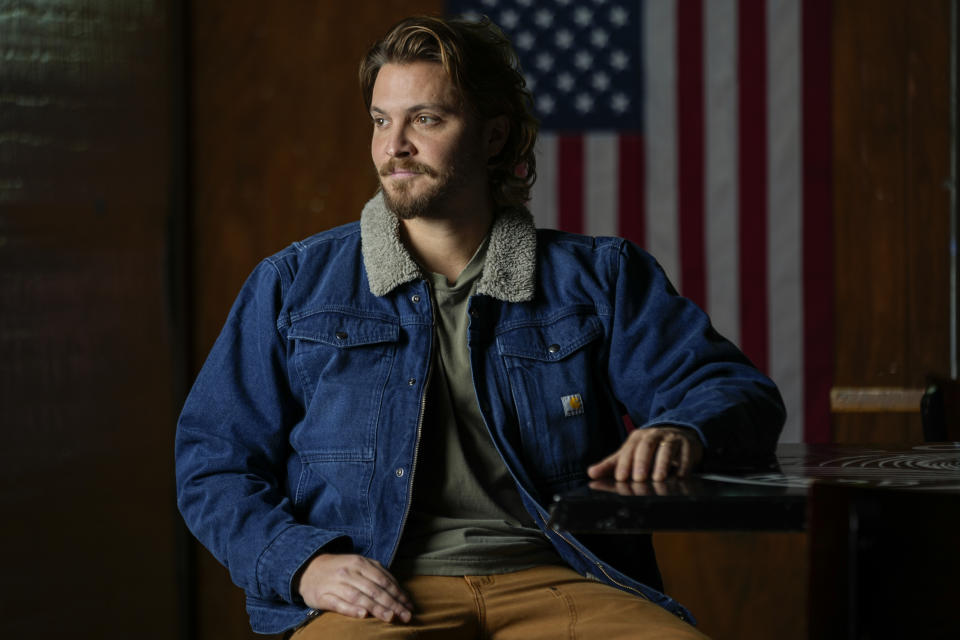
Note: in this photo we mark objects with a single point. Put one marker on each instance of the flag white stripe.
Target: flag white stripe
(722, 206)
(601, 174)
(784, 228)
(660, 131)
(543, 199)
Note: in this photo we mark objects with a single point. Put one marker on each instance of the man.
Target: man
(372, 440)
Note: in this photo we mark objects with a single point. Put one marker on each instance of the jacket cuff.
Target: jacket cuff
(283, 558)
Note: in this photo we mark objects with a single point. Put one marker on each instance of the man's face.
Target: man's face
(428, 151)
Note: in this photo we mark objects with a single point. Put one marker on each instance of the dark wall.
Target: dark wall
(88, 166)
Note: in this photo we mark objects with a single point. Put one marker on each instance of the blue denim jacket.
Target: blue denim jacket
(301, 431)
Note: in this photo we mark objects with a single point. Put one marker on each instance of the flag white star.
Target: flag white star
(583, 59)
(583, 103)
(619, 102)
(546, 104)
(525, 40)
(619, 17)
(543, 18)
(565, 82)
(544, 61)
(582, 16)
(563, 39)
(599, 38)
(509, 19)
(600, 81)
(619, 60)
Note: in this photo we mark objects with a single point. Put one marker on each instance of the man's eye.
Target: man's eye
(426, 120)
(379, 122)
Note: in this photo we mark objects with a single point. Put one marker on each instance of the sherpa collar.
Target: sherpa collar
(508, 272)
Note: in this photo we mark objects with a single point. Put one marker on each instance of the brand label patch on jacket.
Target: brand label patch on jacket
(572, 405)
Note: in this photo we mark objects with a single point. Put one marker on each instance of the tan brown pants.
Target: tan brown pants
(546, 603)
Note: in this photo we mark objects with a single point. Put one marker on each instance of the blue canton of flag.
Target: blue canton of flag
(581, 60)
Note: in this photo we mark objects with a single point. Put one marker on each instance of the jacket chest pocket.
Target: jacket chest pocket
(343, 360)
(558, 385)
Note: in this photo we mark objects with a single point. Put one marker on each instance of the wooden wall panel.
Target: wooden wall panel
(891, 163)
(739, 585)
(86, 340)
(281, 151)
(927, 173)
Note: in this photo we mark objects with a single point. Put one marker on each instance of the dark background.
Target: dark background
(151, 152)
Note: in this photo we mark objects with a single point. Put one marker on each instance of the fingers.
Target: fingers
(686, 459)
(603, 468)
(653, 453)
(666, 450)
(383, 580)
(354, 586)
(358, 603)
(379, 596)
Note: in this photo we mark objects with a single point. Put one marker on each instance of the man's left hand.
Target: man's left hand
(654, 453)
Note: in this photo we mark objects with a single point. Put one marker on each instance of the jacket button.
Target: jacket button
(474, 313)
(399, 472)
(412, 381)
(553, 348)
(341, 335)
(415, 298)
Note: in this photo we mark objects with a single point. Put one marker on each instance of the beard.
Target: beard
(442, 185)
(400, 198)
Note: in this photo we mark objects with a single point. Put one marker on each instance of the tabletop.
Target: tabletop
(772, 497)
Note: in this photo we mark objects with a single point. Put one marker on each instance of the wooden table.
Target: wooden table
(883, 525)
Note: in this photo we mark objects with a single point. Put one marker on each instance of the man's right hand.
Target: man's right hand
(354, 586)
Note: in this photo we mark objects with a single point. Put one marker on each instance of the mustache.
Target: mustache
(406, 165)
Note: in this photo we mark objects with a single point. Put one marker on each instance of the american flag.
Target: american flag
(699, 129)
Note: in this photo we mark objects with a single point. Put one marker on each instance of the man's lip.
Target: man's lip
(401, 173)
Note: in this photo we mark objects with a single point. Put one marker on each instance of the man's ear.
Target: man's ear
(496, 133)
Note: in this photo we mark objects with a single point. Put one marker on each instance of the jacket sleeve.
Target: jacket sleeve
(231, 449)
(668, 365)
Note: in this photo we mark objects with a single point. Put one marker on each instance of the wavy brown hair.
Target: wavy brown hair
(484, 69)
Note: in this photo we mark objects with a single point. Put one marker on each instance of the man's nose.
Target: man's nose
(398, 144)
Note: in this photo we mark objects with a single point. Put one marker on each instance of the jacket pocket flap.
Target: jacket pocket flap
(549, 342)
(343, 329)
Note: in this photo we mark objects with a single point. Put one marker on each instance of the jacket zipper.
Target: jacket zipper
(423, 409)
(597, 564)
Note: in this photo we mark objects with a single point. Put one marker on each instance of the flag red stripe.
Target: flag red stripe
(752, 72)
(817, 219)
(690, 150)
(570, 192)
(630, 204)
